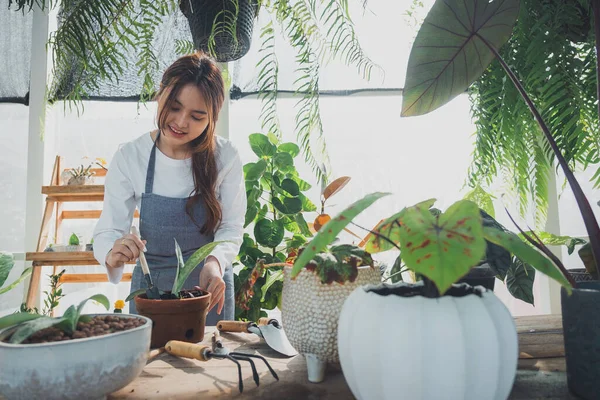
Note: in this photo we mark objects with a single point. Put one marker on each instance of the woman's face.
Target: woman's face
(187, 118)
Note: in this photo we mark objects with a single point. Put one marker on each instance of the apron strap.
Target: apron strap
(151, 163)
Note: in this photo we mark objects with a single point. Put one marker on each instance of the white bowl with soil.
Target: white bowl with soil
(90, 365)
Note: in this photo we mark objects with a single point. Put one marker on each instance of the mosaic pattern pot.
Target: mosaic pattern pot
(310, 312)
(89, 368)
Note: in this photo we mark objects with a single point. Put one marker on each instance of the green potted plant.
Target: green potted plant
(276, 204)
(177, 314)
(119, 346)
(456, 43)
(440, 323)
(326, 280)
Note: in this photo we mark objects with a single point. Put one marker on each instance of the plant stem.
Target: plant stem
(379, 235)
(596, 10)
(589, 219)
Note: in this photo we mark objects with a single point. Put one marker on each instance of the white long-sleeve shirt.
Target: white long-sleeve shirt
(126, 180)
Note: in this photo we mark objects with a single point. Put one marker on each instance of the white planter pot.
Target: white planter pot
(310, 312)
(88, 368)
(421, 348)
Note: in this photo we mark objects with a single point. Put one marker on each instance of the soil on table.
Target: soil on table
(97, 326)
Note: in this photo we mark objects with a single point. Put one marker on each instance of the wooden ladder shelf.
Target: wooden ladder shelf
(56, 195)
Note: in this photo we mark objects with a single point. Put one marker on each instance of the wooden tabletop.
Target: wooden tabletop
(541, 373)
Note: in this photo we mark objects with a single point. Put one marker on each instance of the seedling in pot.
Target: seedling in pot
(184, 269)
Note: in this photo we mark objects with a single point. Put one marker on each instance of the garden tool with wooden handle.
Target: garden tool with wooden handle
(152, 291)
(217, 350)
(268, 329)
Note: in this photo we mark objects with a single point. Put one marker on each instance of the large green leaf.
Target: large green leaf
(526, 253)
(291, 187)
(6, 264)
(551, 239)
(291, 148)
(451, 50)
(483, 199)
(284, 162)
(331, 229)
(251, 213)
(519, 280)
(261, 145)
(269, 233)
(20, 279)
(276, 276)
(254, 171)
(304, 229)
(17, 318)
(443, 248)
(185, 269)
(289, 206)
(389, 231)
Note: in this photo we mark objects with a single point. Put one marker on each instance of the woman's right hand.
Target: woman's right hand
(125, 249)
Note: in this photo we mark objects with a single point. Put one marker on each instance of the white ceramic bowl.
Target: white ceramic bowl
(88, 368)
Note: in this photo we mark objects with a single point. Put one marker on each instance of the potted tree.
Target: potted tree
(473, 32)
(439, 323)
(177, 314)
(118, 346)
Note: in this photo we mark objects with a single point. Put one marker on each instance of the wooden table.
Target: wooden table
(541, 373)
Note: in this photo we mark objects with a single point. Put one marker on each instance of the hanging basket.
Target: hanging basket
(203, 14)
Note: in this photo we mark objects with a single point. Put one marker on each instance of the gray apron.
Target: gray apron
(161, 220)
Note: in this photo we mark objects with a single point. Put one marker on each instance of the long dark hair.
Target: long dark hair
(202, 71)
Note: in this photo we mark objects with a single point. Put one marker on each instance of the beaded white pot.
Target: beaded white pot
(310, 312)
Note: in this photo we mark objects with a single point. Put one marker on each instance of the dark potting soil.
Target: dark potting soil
(419, 289)
(97, 326)
(183, 294)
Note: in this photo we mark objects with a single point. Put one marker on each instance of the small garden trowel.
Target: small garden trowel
(152, 291)
(268, 329)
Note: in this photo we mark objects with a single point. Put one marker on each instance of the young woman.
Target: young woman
(186, 182)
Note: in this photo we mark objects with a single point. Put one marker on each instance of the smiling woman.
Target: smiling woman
(188, 185)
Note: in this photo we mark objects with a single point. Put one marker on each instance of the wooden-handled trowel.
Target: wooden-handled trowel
(268, 329)
(152, 291)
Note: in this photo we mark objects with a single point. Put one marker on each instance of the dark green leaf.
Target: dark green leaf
(450, 50)
(290, 187)
(307, 205)
(254, 171)
(192, 262)
(289, 206)
(28, 328)
(6, 264)
(304, 229)
(251, 213)
(269, 233)
(16, 318)
(519, 280)
(273, 277)
(133, 294)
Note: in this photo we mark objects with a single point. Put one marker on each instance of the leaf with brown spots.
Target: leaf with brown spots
(443, 248)
(390, 229)
(331, 229)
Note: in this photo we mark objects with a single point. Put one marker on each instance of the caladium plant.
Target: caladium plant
(442, 247)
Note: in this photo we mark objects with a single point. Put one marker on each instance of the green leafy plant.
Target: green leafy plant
(74, 240)
(7, 263)
(184, 269)
(28, 323)
(553, 48)
(473, 32)
(95, 38)
(53, 295)
(276, 204)
(339, 263)
(442, 247)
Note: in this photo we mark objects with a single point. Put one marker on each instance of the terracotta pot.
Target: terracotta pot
(175, 319)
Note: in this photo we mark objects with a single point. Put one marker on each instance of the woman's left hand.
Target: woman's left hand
(212, 281)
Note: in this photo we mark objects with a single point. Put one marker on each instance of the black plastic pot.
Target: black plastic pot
(581, 327)
(481, 275)
(202, 14)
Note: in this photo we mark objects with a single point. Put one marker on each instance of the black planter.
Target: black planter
(481, 275)
(201, 14)
(581, 327)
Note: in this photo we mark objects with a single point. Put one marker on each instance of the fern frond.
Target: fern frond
(268, 67)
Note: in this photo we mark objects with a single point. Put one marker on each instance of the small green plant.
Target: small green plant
(339, 263)
(74, 240)
(184, 269)
(54, 295)
(29, 323)
(276, 204)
